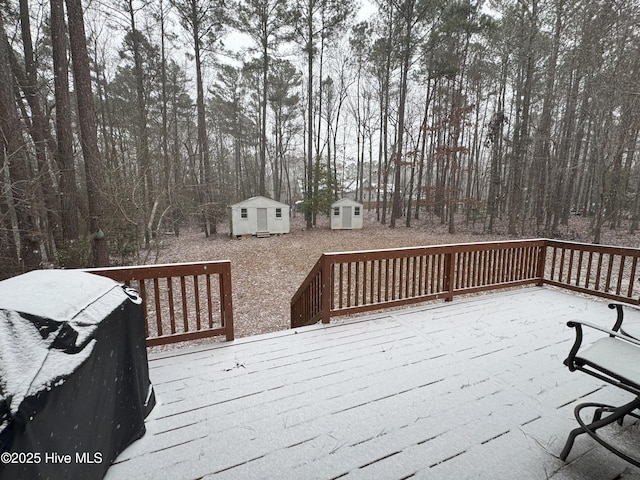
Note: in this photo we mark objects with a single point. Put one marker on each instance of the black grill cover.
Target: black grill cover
(74, 380)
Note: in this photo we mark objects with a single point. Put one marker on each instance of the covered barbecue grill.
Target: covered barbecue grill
(74, 381)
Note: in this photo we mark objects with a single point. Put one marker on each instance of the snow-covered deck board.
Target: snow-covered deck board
(469, 389)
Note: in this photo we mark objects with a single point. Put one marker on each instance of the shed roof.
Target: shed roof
(345, 201)
(259, 201)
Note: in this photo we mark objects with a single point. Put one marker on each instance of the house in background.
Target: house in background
(346, 214)
(259, 216)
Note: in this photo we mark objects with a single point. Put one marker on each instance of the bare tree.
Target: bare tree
(39, 129)
(314, 21)
(203, 20)
(410, 13)
(264, 22)
(285, 79)
(134, 40)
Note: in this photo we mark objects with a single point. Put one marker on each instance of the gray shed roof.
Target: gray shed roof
(259, 201)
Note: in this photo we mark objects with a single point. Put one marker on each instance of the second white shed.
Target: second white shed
(346, 214)
(259, 216)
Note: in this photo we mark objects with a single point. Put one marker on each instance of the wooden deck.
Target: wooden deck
(470, 389)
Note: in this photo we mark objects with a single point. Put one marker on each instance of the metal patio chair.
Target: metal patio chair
(615, 359)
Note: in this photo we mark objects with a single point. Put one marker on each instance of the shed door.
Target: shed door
(262, 220)
(346, 217)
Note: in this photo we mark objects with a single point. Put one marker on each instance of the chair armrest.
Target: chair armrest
(620, 312)
(570, 360)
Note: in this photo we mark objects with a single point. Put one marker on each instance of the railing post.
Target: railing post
(449, 272)
(226, 301)
(542, 263)
(293, 314)
(326, 289)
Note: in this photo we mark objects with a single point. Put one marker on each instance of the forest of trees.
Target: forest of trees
(123, 119)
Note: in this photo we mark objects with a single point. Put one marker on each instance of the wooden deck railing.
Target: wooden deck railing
(608, 272)
(182, 301)
(350, 282)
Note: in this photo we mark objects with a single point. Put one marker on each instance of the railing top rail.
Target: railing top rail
(162, 265)
(138, 272)
(591, 247)
(470, 246)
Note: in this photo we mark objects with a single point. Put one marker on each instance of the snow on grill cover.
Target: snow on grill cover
(74, 380)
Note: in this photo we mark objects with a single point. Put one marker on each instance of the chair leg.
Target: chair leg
(569, 443)
(593, 426)
(599, 411)
(598, 414)
(616, 415)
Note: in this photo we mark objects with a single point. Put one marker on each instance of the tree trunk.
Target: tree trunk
(308, 212)
(496, 139)
(262, 188)
(88, 133)
(168, 186)
(64, 133)
(542, 152)
(39, 132)
(407, 50)
(521, 131)
(203, 141)
(15, 155)
(143, 134)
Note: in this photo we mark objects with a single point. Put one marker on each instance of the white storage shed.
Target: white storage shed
(346, 214)
(259, 216)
